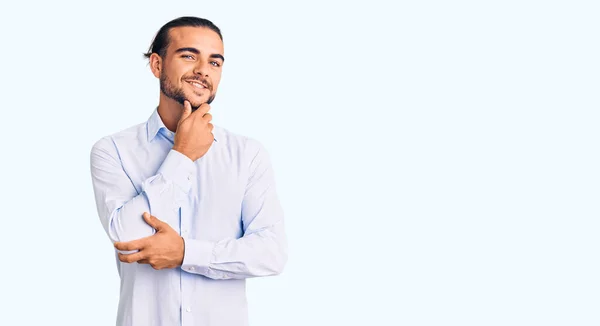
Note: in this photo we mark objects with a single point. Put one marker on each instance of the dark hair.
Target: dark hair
(161, 40)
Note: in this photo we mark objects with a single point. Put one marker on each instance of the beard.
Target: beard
(176, 93)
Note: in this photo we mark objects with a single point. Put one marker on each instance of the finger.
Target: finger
(143, 261)
(210, 127)
(187, 110)
(132, 258)
(131, 245)
(207, 117)
(153, 221)
(202, 110)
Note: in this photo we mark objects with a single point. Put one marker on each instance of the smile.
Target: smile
(197, 84)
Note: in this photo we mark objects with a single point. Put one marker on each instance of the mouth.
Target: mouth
(197, 84)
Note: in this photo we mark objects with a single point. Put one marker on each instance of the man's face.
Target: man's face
(191, 68)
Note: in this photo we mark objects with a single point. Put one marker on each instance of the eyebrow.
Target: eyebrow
(196, 51)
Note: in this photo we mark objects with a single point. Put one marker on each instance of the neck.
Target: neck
(169, 111)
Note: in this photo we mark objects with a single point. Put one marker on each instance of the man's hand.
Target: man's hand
(164, 249)
(193, 136)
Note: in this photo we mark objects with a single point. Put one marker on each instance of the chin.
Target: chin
(196, 100)
(196, 103)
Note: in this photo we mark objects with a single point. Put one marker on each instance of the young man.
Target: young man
(190, 207)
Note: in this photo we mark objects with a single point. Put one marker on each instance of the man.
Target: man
(190, 207)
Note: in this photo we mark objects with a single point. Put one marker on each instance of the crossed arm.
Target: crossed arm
(261, 251)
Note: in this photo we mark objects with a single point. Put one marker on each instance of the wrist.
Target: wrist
(180, 150)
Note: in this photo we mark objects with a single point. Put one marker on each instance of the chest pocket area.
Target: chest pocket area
(219, 203)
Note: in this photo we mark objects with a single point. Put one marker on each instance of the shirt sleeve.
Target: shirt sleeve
(120, 206)
(262, 250)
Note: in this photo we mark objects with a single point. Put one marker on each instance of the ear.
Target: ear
(155, 64)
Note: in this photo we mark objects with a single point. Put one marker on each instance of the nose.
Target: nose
(201, 68)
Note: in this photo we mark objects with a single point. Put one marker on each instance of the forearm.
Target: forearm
(262, 253)
(120, 206)
(125, 222)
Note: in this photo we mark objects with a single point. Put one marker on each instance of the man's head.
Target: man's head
(187, 56)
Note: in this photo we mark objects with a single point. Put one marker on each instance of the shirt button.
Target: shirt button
(192, 268)
(188, 309)
(189, 177)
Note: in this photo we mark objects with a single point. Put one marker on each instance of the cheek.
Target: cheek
(175, 73)
(216, 80)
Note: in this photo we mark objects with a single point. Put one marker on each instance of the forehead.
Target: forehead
(201, 38)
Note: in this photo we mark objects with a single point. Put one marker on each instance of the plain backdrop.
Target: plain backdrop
(437, 161)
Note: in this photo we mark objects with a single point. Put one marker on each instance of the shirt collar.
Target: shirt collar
(155, 124)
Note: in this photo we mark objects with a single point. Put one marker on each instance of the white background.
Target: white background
(437, 161)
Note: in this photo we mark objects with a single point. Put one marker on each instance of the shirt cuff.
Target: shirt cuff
(179, 169)
(197, 256)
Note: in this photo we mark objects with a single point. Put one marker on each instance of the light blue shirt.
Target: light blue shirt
(224, 205)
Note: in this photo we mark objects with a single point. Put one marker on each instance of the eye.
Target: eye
(188, 56)
(215, 63)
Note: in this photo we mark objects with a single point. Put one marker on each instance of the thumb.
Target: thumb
(153, 221)
(187, 110)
